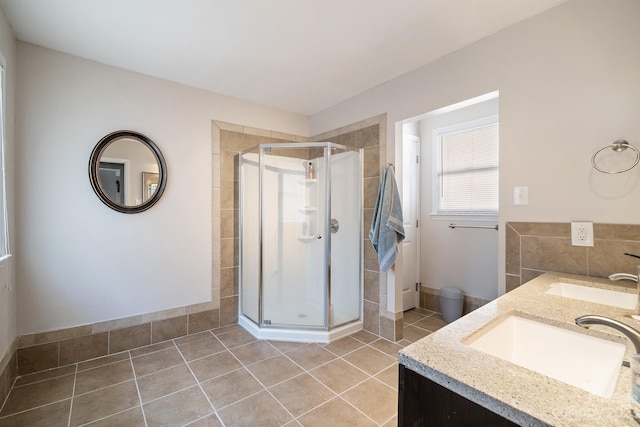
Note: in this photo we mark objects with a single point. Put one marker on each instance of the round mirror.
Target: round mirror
(127, 171)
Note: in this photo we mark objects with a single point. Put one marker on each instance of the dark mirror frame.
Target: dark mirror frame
(94, 175)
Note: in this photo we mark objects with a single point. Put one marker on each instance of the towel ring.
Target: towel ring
(618, 146)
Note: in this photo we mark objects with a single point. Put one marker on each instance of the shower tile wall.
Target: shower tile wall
(533, 248)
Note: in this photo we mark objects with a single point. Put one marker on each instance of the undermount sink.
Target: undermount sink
(597, 295)
(581, 360)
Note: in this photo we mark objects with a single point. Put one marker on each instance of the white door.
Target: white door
(410, 214)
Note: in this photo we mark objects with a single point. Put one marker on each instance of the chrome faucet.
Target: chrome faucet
(624, 276)
(592, 319)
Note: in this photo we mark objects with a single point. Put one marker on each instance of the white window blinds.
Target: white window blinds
(467, 171)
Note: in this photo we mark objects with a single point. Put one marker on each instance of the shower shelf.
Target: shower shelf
(308, 208)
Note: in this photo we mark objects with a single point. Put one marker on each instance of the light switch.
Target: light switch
(521, 195)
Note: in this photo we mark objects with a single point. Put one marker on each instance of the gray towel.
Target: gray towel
(386, 226)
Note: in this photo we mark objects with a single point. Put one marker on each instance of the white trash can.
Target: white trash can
(451, 300)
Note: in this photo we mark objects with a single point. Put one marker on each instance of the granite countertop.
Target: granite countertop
(518, 394)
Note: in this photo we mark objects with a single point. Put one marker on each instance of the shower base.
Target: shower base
(298, 335)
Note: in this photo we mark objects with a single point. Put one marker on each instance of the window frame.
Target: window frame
(5, 248)
(436, 144)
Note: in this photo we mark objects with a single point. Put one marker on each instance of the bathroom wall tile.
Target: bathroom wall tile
(110, 325)
(163, 314)
(472, 303)
(512, 248)
(368, 136)
(197, 308)
(38, 358)
(53, 336)
(228, 252)
(228, 310)
(553, 254)
(527, 275)
(607, 257)
(348, 139)
(366, 223)
(167, 329)
(228, 166)
(84, 348)
(512, 282)
(371, 317)
(204, 321)
(399, 324)
(229, 281)
(387, 328)
(256, 131)
(229, 223)
(370, 257)
(370, 191)
(226, 127)
(617, 231)
(228, 194)
(372, 286)
(542, 229)
(4, 388)
(128, 338)
(371, 162)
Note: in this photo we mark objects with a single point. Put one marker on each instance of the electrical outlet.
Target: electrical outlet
(582, 233)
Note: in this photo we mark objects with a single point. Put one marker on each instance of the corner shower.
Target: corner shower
(301, 241)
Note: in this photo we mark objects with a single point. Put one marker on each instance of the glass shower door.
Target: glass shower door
(293, 241)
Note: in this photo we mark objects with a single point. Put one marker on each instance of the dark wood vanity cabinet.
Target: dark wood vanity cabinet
(422, 402)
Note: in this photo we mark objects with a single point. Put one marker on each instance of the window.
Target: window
(466, 169)
(4, 226)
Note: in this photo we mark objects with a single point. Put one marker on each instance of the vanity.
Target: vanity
(521, 360)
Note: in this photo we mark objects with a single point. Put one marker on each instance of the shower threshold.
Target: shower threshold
(299, 335)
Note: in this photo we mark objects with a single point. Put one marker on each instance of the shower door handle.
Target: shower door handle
(318, 237)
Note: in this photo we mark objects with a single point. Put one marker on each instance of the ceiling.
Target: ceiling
(301, 56)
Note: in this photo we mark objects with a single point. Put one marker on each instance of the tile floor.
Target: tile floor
(224, 377)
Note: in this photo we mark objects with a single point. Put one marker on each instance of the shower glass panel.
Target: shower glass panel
(301, 222)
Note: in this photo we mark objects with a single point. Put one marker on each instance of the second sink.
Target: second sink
(597, 295)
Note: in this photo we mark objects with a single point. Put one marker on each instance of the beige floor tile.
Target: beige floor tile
(311, 356)
(157, 361)
(45, 375)
(301, 394)
(389, 376)
(336, 412)
(230, 388)
(177, 409)
(208, 421)
(192, 338)
(393, 422)
(101, 361)
(388, 347)
(275, 370)
(339, 375)
(151, 348)
(37, 394)
(236, 338)
(162, 383)
(375, 399)
(370, 360)
(205, 346)
(343, 346)
(411, 316)
(53, 415)
(104, 402)
(286, 346)
(214, 366)
(103, 376)
(430, 323)
(225, 329)
(258, 410)
(412, 333)
(255, 352)
(131, 418)
(364, 336)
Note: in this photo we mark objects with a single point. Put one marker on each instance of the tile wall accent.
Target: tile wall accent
(533, 248)
(8, 371)
(37, 352)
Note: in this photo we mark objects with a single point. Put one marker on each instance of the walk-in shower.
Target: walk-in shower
(301, 241)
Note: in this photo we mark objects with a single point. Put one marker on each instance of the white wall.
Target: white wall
(80, 262)
(8, 328)
(568, 82)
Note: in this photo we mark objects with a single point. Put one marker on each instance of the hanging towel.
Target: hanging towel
(386, 226)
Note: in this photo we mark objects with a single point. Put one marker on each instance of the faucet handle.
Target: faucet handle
(632, 255)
